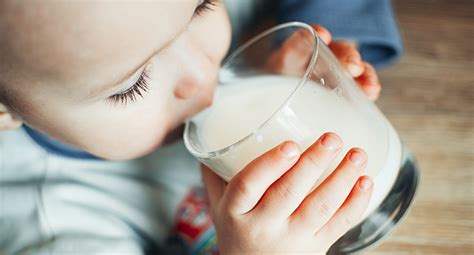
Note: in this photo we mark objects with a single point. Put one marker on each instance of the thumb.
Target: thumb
(215, 186)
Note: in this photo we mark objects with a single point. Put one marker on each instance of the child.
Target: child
(96, 84)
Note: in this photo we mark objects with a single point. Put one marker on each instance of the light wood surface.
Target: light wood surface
(429, 97)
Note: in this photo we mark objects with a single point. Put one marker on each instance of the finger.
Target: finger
(350, 212)
(348, 56)
(248, 186)
(323, 33)
(284, 196)
(369, 82)
(215, 186)
(320, 205)
(294, 55)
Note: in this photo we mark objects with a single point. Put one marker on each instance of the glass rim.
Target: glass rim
(304, 78)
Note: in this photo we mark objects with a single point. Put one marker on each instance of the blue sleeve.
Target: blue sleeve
(368, 22)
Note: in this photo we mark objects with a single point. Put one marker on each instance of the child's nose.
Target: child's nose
(185, 90)
(197, 82)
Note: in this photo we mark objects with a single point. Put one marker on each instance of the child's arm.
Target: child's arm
(269, 208)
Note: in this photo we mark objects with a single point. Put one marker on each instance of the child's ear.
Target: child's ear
(8, 120)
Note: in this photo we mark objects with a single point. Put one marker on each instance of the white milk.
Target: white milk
(241, 107)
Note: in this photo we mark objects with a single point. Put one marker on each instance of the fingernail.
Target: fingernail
(354, 69)
(356, 158)
(290, 150)
(373, 92)
(354, 64)
(365, 183)
(374, 87)
(331, 142)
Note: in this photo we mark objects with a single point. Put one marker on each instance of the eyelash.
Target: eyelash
(141, 86)
(207, 5)
(137, 90)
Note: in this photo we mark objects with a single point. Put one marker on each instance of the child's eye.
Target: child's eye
(131, 94)
(204, 5)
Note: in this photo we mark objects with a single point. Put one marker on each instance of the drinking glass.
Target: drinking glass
(268, 93)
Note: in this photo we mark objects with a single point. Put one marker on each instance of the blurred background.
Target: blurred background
(429, 97)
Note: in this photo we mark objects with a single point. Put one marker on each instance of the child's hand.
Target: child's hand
(270, 208)
(297, 56)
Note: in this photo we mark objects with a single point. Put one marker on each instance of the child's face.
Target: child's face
(66, 64)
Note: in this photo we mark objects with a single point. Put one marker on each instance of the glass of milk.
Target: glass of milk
(261, 102)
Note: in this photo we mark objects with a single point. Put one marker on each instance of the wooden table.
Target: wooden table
(429, 97)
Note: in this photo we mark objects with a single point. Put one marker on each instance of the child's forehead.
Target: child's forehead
(70, 40)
